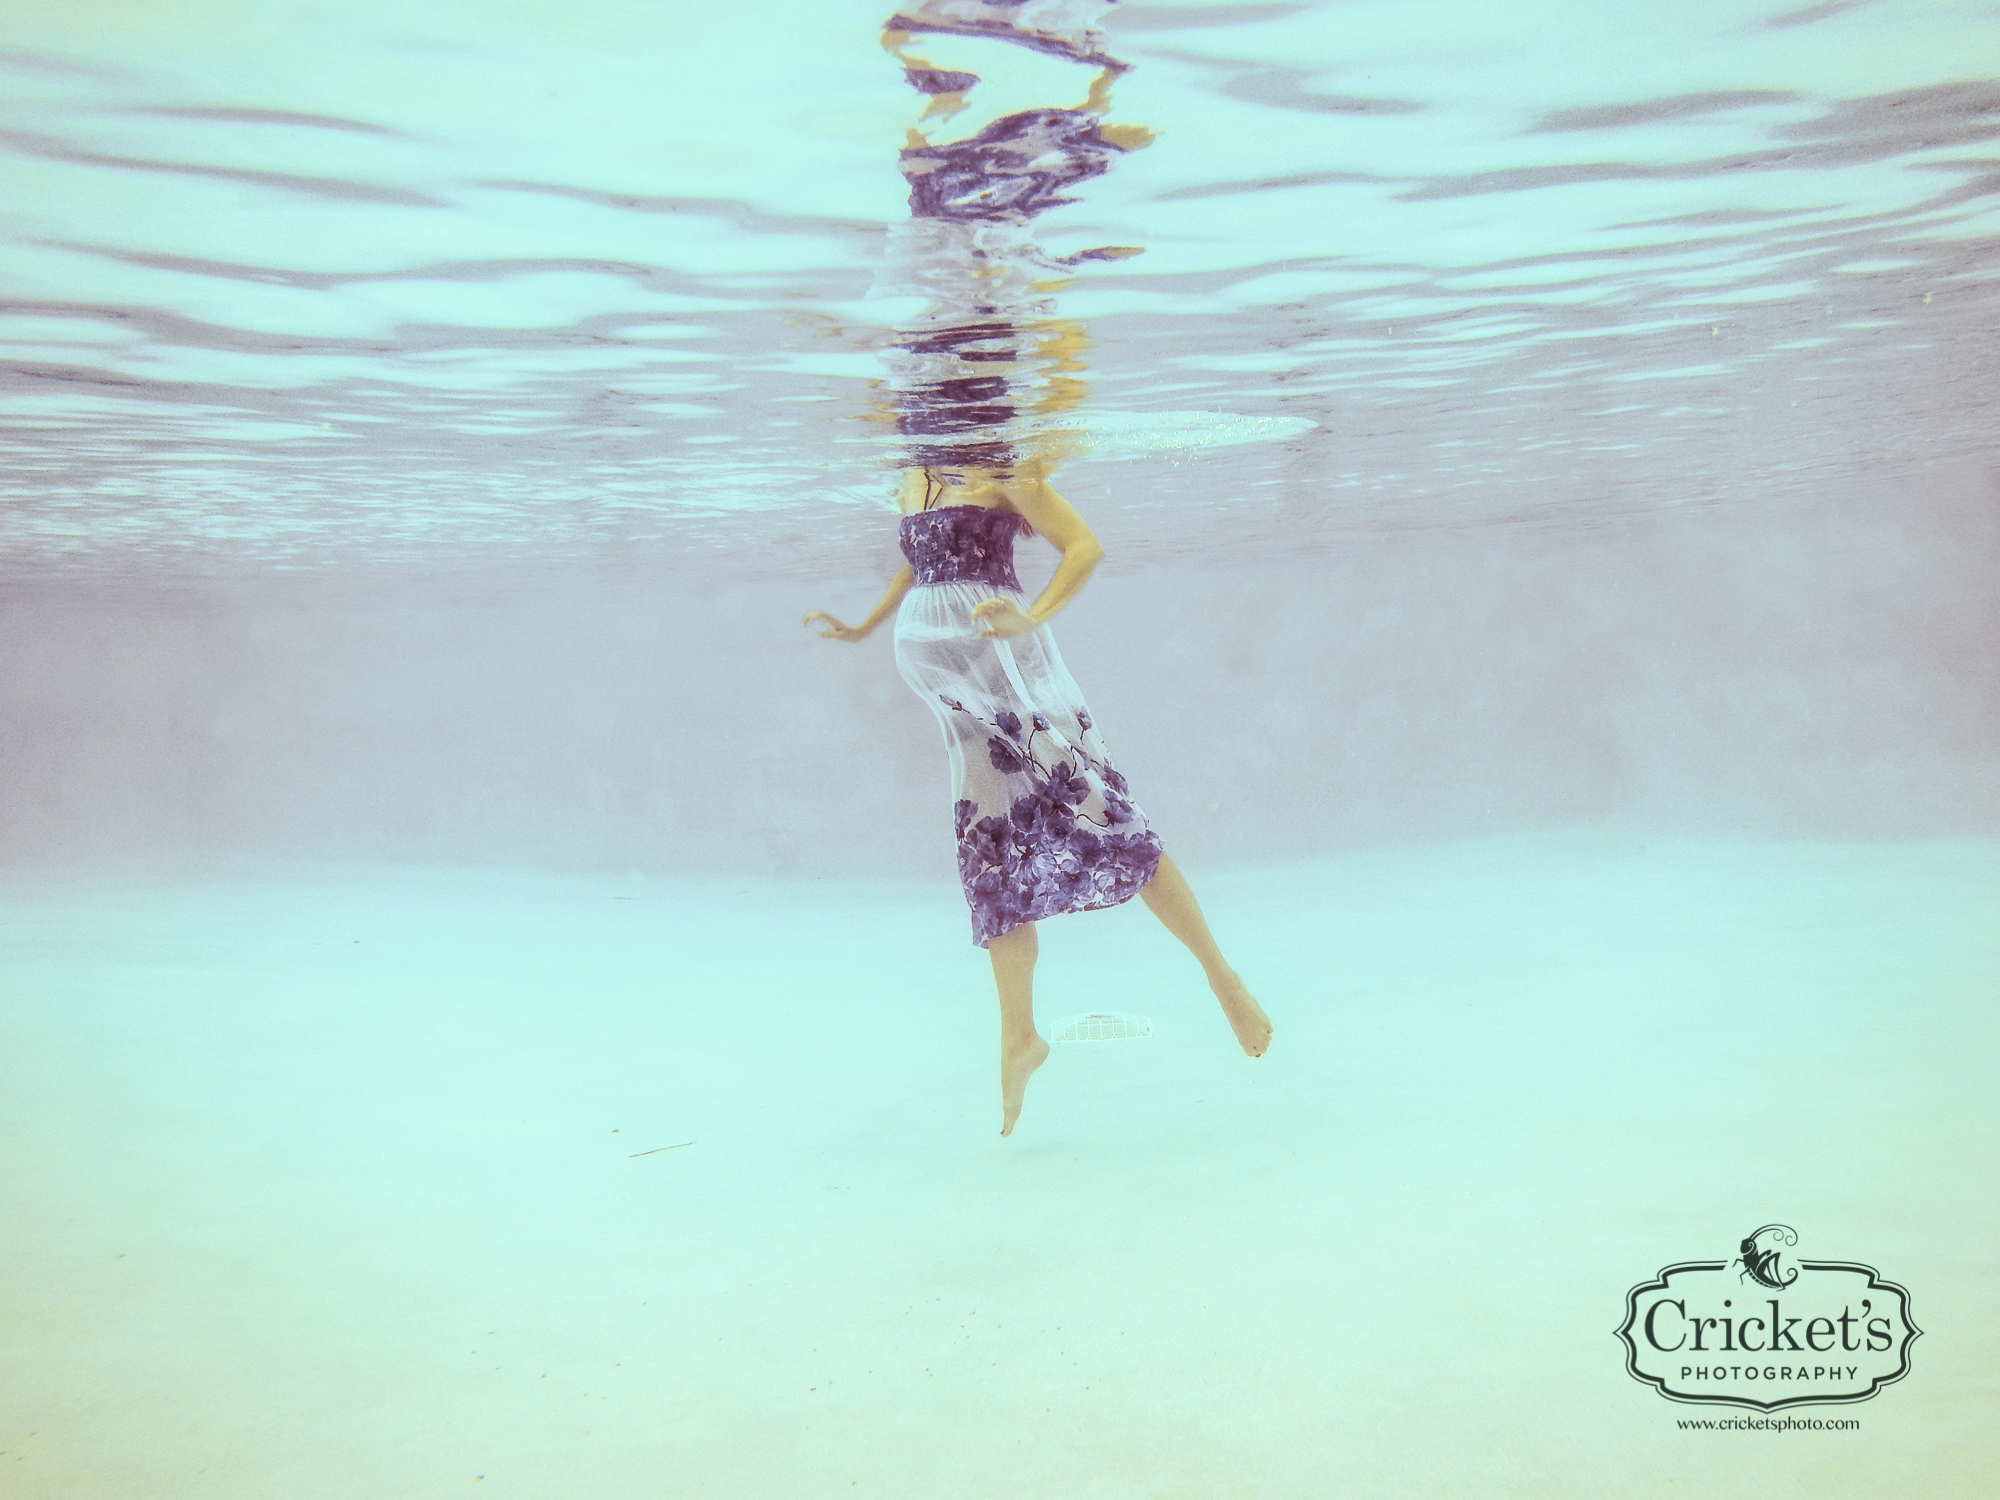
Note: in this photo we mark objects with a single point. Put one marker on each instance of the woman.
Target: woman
(1043, 820)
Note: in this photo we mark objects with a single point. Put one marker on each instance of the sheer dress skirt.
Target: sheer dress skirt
(1045, 823)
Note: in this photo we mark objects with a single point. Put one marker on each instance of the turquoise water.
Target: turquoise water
(306, 287)
(485, 1001)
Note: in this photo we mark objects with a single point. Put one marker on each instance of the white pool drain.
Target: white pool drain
(1103, 1026)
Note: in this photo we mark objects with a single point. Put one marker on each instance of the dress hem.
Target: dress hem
(1104, 900)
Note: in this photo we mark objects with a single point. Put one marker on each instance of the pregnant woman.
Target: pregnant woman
(1045, 823)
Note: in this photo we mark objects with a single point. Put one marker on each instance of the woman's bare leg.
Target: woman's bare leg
(1022, 1049)
(1173, 903)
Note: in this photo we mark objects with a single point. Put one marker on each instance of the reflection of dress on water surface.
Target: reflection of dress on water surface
(1044, 822)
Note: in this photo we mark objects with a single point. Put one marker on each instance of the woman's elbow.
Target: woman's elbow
(1086, 550)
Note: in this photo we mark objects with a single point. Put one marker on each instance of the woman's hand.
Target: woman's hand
(1004, 620)
(837, 631)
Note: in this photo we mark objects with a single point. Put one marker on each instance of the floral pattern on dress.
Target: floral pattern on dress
(962, 544)
(1044, 855)
(1044, 823)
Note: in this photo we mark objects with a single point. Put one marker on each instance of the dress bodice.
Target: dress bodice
(962, 544)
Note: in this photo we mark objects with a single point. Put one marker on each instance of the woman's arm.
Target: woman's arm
(1056, 519)
(898, 586)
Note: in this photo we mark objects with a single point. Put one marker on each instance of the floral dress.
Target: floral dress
(1045, 824)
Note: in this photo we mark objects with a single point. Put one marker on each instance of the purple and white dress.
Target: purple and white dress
(1045, 824)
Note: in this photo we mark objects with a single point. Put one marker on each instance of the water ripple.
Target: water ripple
(360, 297)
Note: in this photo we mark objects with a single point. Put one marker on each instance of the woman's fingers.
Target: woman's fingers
(1007, 617)
(835, 631)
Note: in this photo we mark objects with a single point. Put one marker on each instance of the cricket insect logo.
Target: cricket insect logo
(1765, 1330)
(1760, 1261)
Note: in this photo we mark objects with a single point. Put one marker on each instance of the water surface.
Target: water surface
(456, 285)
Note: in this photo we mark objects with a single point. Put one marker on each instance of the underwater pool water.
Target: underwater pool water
(486, 997)
(297, 286)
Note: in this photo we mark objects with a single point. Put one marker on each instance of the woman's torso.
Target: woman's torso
(961, 532)
(972, 544)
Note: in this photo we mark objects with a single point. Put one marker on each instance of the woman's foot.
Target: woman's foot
(1016, 1063)
(1246, 1016)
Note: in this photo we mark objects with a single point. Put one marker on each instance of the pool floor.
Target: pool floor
(400, 1182)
